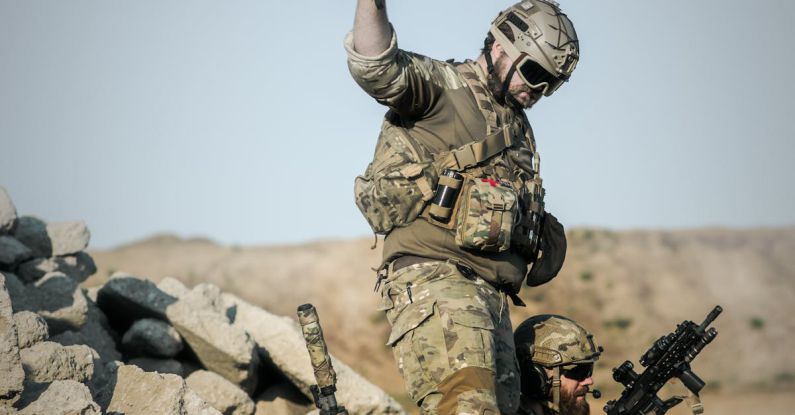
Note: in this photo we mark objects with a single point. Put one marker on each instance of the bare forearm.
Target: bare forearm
(371, 30)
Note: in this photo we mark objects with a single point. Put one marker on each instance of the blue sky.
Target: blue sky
(238, 121)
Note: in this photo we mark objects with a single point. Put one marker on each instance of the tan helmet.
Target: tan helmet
(551, 342)
(545, 49)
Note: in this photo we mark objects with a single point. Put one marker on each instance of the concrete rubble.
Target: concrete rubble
(131, 346)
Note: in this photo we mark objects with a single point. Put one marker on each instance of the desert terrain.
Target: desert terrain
(627, 287)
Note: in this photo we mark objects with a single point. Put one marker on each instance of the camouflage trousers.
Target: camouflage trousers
(452, 340)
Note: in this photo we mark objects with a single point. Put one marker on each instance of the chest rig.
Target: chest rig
(398, 185)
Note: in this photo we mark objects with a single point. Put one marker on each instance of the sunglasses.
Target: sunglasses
(579, 372)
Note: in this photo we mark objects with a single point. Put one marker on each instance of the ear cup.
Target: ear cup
(536, 383)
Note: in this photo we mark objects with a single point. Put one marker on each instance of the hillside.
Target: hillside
(627, 287)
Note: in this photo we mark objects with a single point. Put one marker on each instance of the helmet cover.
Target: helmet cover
(551, 340)
(542, 33)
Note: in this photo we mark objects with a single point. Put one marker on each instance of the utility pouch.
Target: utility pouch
(398, 183)
(486, 216)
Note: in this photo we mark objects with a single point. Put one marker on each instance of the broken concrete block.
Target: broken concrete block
(8, 212)
(31, 328)
(125, 298)
(11, 368)
(221, 348)
(60, 301)
(221, 394)
(63, 397)
(283, 399)
(32, 232)
(149, 364)
(146, 393)
(68, 238)
(78, 267)
(172, 287)
(286, 350)
(17, 291)
(12, 252)
(94, 335)
(150, 337)
(103, 382)
(48, 361)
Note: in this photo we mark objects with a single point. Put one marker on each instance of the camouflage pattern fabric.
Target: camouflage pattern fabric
(443, 323)
(556, 341)
(393, 190)
(486, 220)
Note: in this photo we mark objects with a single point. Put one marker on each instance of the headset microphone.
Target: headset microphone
(596, 393)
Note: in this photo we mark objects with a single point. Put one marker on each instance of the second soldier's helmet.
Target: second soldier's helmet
(544, 49)
(551, 342)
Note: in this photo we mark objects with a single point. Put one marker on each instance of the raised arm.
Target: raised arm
(371, 30)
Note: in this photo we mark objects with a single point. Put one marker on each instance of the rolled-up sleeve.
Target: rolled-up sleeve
(395, 78)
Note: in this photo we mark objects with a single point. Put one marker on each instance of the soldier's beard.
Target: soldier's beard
(570, 406)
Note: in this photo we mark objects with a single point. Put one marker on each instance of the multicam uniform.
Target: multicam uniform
(450, 268)
(451, 333)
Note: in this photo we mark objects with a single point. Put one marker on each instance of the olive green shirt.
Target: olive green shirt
(437, 109)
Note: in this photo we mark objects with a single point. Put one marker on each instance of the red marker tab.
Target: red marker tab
(491, 182)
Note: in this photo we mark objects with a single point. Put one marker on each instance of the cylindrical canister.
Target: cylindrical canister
(446, 194)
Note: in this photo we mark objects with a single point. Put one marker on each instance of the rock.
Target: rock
(68, 238)
(48, 361)
(17, 291)
(78, 267)
(144, 393)
(91, 293)
(60, 301)
(149, 364)
(11, 368)
(8, 213)
(172, 287)
(284, 346)
(152, 337)
(63, 397)
(220, 393)
(94, 335)
(12, 251)
(283, 399)
(125, 298)
(31, 328)
(219, 346)
(104, 382)
(32, 232)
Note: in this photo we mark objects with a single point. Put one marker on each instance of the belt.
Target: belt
(407, 260)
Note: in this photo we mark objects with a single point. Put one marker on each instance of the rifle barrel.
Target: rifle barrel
(711, 317)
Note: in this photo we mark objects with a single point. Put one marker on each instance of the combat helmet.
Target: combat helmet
(551, 342)
(544, 50)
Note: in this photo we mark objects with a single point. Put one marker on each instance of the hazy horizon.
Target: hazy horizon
(240, 123)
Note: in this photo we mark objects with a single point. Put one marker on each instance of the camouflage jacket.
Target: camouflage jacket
(431, 101)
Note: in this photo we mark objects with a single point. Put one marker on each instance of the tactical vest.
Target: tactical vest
(500, 199)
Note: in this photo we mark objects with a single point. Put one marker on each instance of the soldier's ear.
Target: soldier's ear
(496, 49)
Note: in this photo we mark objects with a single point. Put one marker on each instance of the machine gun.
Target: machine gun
(326, 378)
(668, 357)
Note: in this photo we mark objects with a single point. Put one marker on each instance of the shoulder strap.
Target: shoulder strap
(498, 137)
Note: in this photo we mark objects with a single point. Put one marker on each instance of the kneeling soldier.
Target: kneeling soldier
(556, 358)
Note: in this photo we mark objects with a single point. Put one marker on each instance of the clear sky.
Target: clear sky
(238, 121)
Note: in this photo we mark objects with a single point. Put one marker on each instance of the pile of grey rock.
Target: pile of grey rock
(132, 346)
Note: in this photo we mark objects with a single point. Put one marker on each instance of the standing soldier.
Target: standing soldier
(556, 358)
(455, 187)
